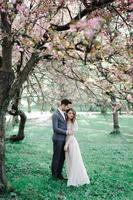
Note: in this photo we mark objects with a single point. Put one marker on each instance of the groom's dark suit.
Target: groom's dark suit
(59, 136)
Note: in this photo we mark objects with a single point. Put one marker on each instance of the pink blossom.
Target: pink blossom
(18, 48)
(131, 7)
(61, 1)
(73, 28)
(55, 55)
(3, 10)
(94, 23)
(82, 24)
(21, 8)
(109, 50)
(49, 46)
(13, 1)
(131, 16)
(89, 34)
(129, 97)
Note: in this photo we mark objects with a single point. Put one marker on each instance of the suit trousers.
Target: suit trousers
(58, 157)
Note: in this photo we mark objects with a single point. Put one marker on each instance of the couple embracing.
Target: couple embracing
(65, 146)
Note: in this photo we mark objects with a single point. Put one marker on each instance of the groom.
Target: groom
(59, 135)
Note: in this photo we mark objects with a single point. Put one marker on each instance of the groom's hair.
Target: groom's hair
(65, 102)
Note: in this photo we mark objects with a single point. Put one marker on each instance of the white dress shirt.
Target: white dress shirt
(62, 113)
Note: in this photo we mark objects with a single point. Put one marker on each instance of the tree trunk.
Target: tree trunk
(116, 127)
(20, 136)
(42, 104)
(29, 104)
(6, 79)
(15, 106)
(115, 108)
(3, 180)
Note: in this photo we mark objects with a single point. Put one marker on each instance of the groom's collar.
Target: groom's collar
(61, 112)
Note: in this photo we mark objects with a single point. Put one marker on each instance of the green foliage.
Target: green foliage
(108, 159)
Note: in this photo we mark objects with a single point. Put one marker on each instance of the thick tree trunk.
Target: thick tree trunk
(6, 79)
(20, 136)
(15, 106)
(3, 180)
(16, 112)
(115, 108)
(116, 127)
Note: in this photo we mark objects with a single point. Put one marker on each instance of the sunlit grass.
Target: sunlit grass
(108, 159)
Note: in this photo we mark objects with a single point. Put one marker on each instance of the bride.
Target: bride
(76, 170)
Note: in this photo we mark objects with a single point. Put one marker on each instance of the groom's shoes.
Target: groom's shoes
(61, 178)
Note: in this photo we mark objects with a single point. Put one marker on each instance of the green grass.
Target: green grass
(108, 159)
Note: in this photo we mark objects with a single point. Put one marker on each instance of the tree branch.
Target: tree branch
(93, 6)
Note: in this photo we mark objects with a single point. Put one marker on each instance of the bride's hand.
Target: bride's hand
(71, 132)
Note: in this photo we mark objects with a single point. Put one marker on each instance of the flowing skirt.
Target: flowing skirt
(76, 171)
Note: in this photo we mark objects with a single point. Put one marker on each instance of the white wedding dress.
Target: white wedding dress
(76, 171)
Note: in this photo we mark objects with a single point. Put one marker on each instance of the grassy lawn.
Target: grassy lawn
(108, 159)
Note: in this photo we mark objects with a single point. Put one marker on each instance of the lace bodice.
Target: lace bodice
(72, 126)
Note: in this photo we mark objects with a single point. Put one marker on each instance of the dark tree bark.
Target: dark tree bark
(17, 98)
(20, 136)
(88, 10)
(16, 112)
(115, 109)
(16, 102)
(6, 79)
(116, 127)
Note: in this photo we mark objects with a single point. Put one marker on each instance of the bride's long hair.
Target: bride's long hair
(74, 115)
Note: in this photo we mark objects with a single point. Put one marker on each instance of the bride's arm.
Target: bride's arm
(68, 140)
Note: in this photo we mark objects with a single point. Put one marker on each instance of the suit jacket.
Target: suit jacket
(59, 126)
